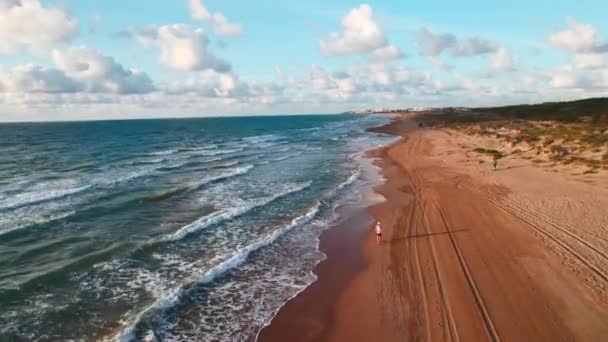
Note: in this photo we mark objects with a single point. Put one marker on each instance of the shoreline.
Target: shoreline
(313, 313)
(310, 314)
(469, 254)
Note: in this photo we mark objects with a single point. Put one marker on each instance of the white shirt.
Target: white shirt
(378, 228)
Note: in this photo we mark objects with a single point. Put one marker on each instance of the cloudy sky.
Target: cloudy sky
(103, 59)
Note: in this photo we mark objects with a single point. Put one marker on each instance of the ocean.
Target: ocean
(172, 230)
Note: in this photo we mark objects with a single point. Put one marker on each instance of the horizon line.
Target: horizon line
(171, 118)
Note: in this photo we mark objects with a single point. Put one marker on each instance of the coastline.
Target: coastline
(316, 313)
(466, 256)
(310, 315)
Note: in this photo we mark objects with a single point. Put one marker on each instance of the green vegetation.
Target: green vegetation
(562, 132)
(572, 111)
(495, 154)
(592, 111)
(558, 152)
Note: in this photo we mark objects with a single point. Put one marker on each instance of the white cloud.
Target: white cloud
(579, 80)
(99, 73)
(503, 61)
(590, 60)
(473, 47)
(437, 61)
(569, 79)
(396, 81)
(588, 71)
(387, 53)
(182, 47)
(372, 82)
(36, 79)
(337, 86)
(432, 45)
(210, 84)
(221, 25)
(578, 37)
(320, 79)
(78, 70)
(360, 34)
(28, 24)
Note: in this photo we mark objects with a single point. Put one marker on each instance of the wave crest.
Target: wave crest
(240, 256)
(224, 215)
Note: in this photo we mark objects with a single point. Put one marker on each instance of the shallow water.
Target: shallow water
(175, 229)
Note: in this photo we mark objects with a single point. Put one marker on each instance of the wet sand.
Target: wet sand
(468, 255)
(311, 315)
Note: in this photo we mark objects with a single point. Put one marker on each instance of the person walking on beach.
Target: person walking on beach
(378, 233)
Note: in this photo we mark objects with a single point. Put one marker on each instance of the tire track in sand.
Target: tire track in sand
(414, 244)
(448, 316)
(552, 237)
(488, 322)
(543, 218)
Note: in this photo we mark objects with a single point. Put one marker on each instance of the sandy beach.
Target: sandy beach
(469, 254)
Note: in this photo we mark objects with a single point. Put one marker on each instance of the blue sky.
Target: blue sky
(120, 59)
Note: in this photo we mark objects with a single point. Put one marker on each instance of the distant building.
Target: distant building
(421, 109)
(410, 109)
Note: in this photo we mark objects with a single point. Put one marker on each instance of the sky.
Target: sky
(110, 59)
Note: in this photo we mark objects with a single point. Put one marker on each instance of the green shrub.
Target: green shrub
(495, 154)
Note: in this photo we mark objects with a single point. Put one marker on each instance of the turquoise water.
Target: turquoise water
(190, 229)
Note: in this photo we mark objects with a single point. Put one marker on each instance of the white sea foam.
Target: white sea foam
(121, 177)
(114, 178)
(355, 174)
(264, 145)
(226, 214)
(171, 298)
(199, 148)
(50, 193)
(203, 161)
(145, 161)
(232, 173)
(173, 166)
(215, 152)
(10, 225)
(285, 157)
(229, 164)
(263, 138)
(181, 162)
(242, 253)
(163, 153)
(211, 160)
(40, 193)
(210, 179)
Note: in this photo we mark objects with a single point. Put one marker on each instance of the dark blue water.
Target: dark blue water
(190, 229)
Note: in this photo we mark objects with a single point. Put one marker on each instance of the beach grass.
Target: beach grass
(574, 132)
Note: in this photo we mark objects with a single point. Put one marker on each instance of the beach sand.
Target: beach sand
(520, 254)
